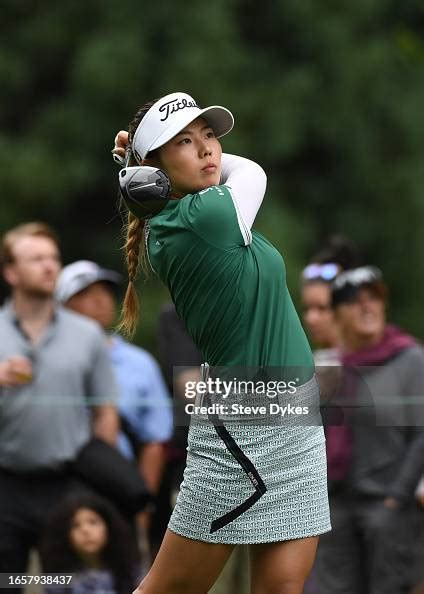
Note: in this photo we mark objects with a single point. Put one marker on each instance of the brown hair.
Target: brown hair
(134, 247)
(33, 229)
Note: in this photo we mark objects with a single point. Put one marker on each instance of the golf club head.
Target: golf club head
(145, 190)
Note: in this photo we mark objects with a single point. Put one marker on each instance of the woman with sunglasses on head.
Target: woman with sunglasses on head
(264, 486)
(337, 255)
(317, 313)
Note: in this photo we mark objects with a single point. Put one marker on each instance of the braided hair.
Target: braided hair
(134, 247)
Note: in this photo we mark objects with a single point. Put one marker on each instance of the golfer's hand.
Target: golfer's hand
(15, 371)
(121, 142)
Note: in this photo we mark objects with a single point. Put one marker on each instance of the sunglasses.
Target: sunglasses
(326, 272)
(346, 286)
(365, 275)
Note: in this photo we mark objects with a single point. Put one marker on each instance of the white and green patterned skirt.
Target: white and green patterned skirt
(290, 460)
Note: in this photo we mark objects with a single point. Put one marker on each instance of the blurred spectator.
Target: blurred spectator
(376, 454)
(418, 553)
(52, 362)
(144, 404)
(181, 362)
(86, 537)
(316, 300)
(338, 254)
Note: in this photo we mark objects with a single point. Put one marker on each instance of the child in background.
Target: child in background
(87, 537)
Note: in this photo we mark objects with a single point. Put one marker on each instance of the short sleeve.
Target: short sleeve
(213, 214)
(102, 387)
(148, 410)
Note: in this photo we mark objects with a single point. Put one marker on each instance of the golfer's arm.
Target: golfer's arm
(247, 181)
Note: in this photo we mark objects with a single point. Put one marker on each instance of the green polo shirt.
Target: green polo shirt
(228, 284)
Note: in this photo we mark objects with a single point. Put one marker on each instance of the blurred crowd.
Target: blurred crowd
(93, 431)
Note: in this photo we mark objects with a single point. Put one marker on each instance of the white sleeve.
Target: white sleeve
(247, 182)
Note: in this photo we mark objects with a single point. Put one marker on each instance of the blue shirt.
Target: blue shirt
(144, 400)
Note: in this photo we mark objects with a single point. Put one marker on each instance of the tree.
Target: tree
(327, 96)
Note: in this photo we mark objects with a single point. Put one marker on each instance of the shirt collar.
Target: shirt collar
(115, 345)
(10, 312)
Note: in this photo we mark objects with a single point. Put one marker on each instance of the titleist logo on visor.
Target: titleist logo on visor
(175, 105)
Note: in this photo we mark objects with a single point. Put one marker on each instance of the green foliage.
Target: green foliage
(327, 94)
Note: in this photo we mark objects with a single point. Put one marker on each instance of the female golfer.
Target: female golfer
(263, 484)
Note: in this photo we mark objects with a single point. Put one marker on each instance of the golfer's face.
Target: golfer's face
(192, 159)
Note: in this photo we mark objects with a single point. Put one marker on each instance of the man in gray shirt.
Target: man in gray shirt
(56, 390)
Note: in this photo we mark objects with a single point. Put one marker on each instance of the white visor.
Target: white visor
(170, 115)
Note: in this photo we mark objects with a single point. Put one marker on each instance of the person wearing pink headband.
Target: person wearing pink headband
(250, 479)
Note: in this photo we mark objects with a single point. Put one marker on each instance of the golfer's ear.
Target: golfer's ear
(152, 162)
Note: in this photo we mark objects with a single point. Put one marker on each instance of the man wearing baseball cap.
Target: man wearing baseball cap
(144, 402)
(376, 457)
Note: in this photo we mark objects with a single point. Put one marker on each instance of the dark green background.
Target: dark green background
(328, 96)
